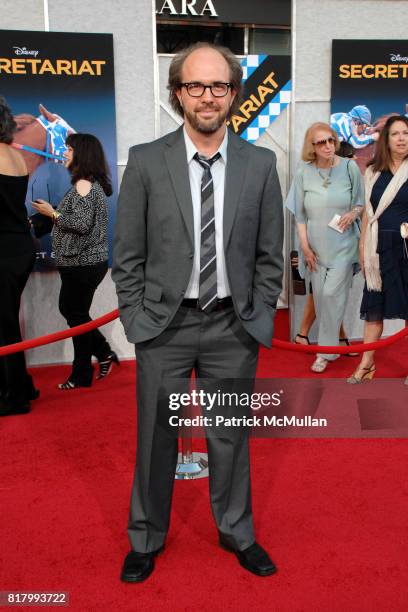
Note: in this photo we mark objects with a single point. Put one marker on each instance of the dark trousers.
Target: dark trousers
(78, 285)
(16, 385)
(218, 350)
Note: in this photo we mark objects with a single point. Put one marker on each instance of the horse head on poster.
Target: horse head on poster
(41, 138)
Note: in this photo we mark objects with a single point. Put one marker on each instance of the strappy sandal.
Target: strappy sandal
(347, 343)
(368, 375)
(105, 366)
(68, 385)
(319, 365)
(303, 338)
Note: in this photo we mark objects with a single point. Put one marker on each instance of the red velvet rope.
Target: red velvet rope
(60, 335)
(341, 350)
(281, 344)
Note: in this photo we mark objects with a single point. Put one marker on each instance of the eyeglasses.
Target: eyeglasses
(196, 90)
(321, 143)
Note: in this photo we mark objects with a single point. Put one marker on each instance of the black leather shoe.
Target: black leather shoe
(138, 566)
(34, 394)
(30, 392)
(9, 409)
(254, 559)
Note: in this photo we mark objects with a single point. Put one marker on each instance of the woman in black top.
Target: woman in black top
(383, 250)
(80, 245)
(17, 257)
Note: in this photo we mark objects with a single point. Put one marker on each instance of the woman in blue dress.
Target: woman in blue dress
(383, 250)
(327, 199)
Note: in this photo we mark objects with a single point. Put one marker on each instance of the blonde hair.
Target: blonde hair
(308, 152)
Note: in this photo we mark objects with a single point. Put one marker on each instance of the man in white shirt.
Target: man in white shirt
(198, 268)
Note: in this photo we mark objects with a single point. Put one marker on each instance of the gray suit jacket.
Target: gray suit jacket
(154, 242)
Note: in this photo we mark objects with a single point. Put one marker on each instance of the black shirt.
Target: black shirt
(15, 237)
(397, 211)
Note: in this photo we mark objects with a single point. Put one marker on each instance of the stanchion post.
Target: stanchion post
(190, 465)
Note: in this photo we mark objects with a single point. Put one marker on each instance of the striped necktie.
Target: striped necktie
(208, 259)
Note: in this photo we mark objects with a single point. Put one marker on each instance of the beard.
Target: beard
(206, 126)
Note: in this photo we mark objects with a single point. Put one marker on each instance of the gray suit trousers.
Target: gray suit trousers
(215, 346)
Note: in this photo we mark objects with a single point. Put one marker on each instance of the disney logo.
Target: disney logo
(25, 51)
(396, 57)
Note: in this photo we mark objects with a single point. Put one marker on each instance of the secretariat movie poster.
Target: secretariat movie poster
(370, 73)
(56, 83)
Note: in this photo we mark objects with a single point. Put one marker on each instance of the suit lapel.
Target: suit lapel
(234, 179)
(176, 160)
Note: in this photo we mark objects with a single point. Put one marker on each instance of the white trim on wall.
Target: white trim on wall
(293, 98)
(156, 87)
(314, 99)
(46, 16)
(171, 113)
(292, 139)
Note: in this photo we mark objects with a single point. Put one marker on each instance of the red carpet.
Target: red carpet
(331, 513)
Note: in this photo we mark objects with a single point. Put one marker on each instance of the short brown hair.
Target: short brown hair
(176, 68)
(382, 156)
(308, 152)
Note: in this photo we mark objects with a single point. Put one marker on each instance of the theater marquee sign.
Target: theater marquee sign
(255, 12)
(194, 8)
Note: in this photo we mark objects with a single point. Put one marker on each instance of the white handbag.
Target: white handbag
(404, 234)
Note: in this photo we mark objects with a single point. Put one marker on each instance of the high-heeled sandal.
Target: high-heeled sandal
(68, 385)
(105, 366)
(368, 375)
(319, 365)
(347, 343)
(303, 338)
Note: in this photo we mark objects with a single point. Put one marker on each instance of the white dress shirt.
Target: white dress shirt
(195, 172)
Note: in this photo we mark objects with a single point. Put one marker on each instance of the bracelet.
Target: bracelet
(55, 216)
(357, 210)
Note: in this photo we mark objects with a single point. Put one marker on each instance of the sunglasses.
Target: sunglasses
(321, 143)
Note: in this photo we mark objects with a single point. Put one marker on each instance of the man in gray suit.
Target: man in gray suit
(198, 269)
